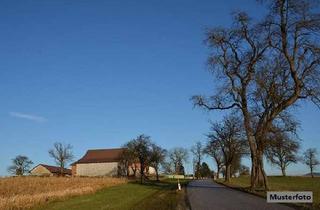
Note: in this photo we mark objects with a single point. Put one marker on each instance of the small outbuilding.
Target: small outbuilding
(46, 170)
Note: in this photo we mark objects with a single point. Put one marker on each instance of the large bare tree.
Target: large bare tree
(20, 165)
(264, 68)
(62, 154)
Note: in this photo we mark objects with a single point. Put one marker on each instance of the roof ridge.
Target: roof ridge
(52, 169)
(52, 166)
(101, 155)
(105, 149)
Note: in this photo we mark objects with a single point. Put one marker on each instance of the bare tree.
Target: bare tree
(126, 161)
(129, 159)
(157, 158)
(142, 149)
(197, 151)
(20, 165)
(282, 151)
(264, 68)
(213, 149)
(178, 156)
(62, 154)
(310, 159)
(228, 135)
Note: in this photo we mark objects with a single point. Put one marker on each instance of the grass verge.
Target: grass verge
(279, 183)
(151, 195)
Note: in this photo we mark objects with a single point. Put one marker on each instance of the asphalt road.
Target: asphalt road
(208, 195)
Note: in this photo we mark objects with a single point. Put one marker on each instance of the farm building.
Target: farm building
(101, 162)
(46, 170)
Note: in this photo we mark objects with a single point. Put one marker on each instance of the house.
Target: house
(101, 162)
(46, 170)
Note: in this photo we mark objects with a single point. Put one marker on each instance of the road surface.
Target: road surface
(208, 195)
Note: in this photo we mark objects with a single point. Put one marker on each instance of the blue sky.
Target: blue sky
(96, 74)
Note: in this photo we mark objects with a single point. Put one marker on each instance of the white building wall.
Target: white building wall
(152, 171)
(97, 169)
(40, 171)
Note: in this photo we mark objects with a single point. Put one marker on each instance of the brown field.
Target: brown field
(25, 192)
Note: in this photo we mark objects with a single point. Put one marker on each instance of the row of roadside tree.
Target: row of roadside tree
(263, 69)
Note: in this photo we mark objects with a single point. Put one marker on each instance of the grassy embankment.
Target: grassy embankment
(279, 183)
(152, 195)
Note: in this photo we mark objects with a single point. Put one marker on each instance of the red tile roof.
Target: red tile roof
(101, 156)
(55, 169)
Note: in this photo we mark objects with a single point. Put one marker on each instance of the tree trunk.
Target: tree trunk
(134, 170)
(61, 169)
(228, 173)
(176, 168)
(218, 172)
(19, 172)
(141, 172)
(259, 177)
(253, 163)
(127, 170)
(311, 170)
(157, 174)
(283, 170)
(264, 175)
(251, 142)
(198, 171)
